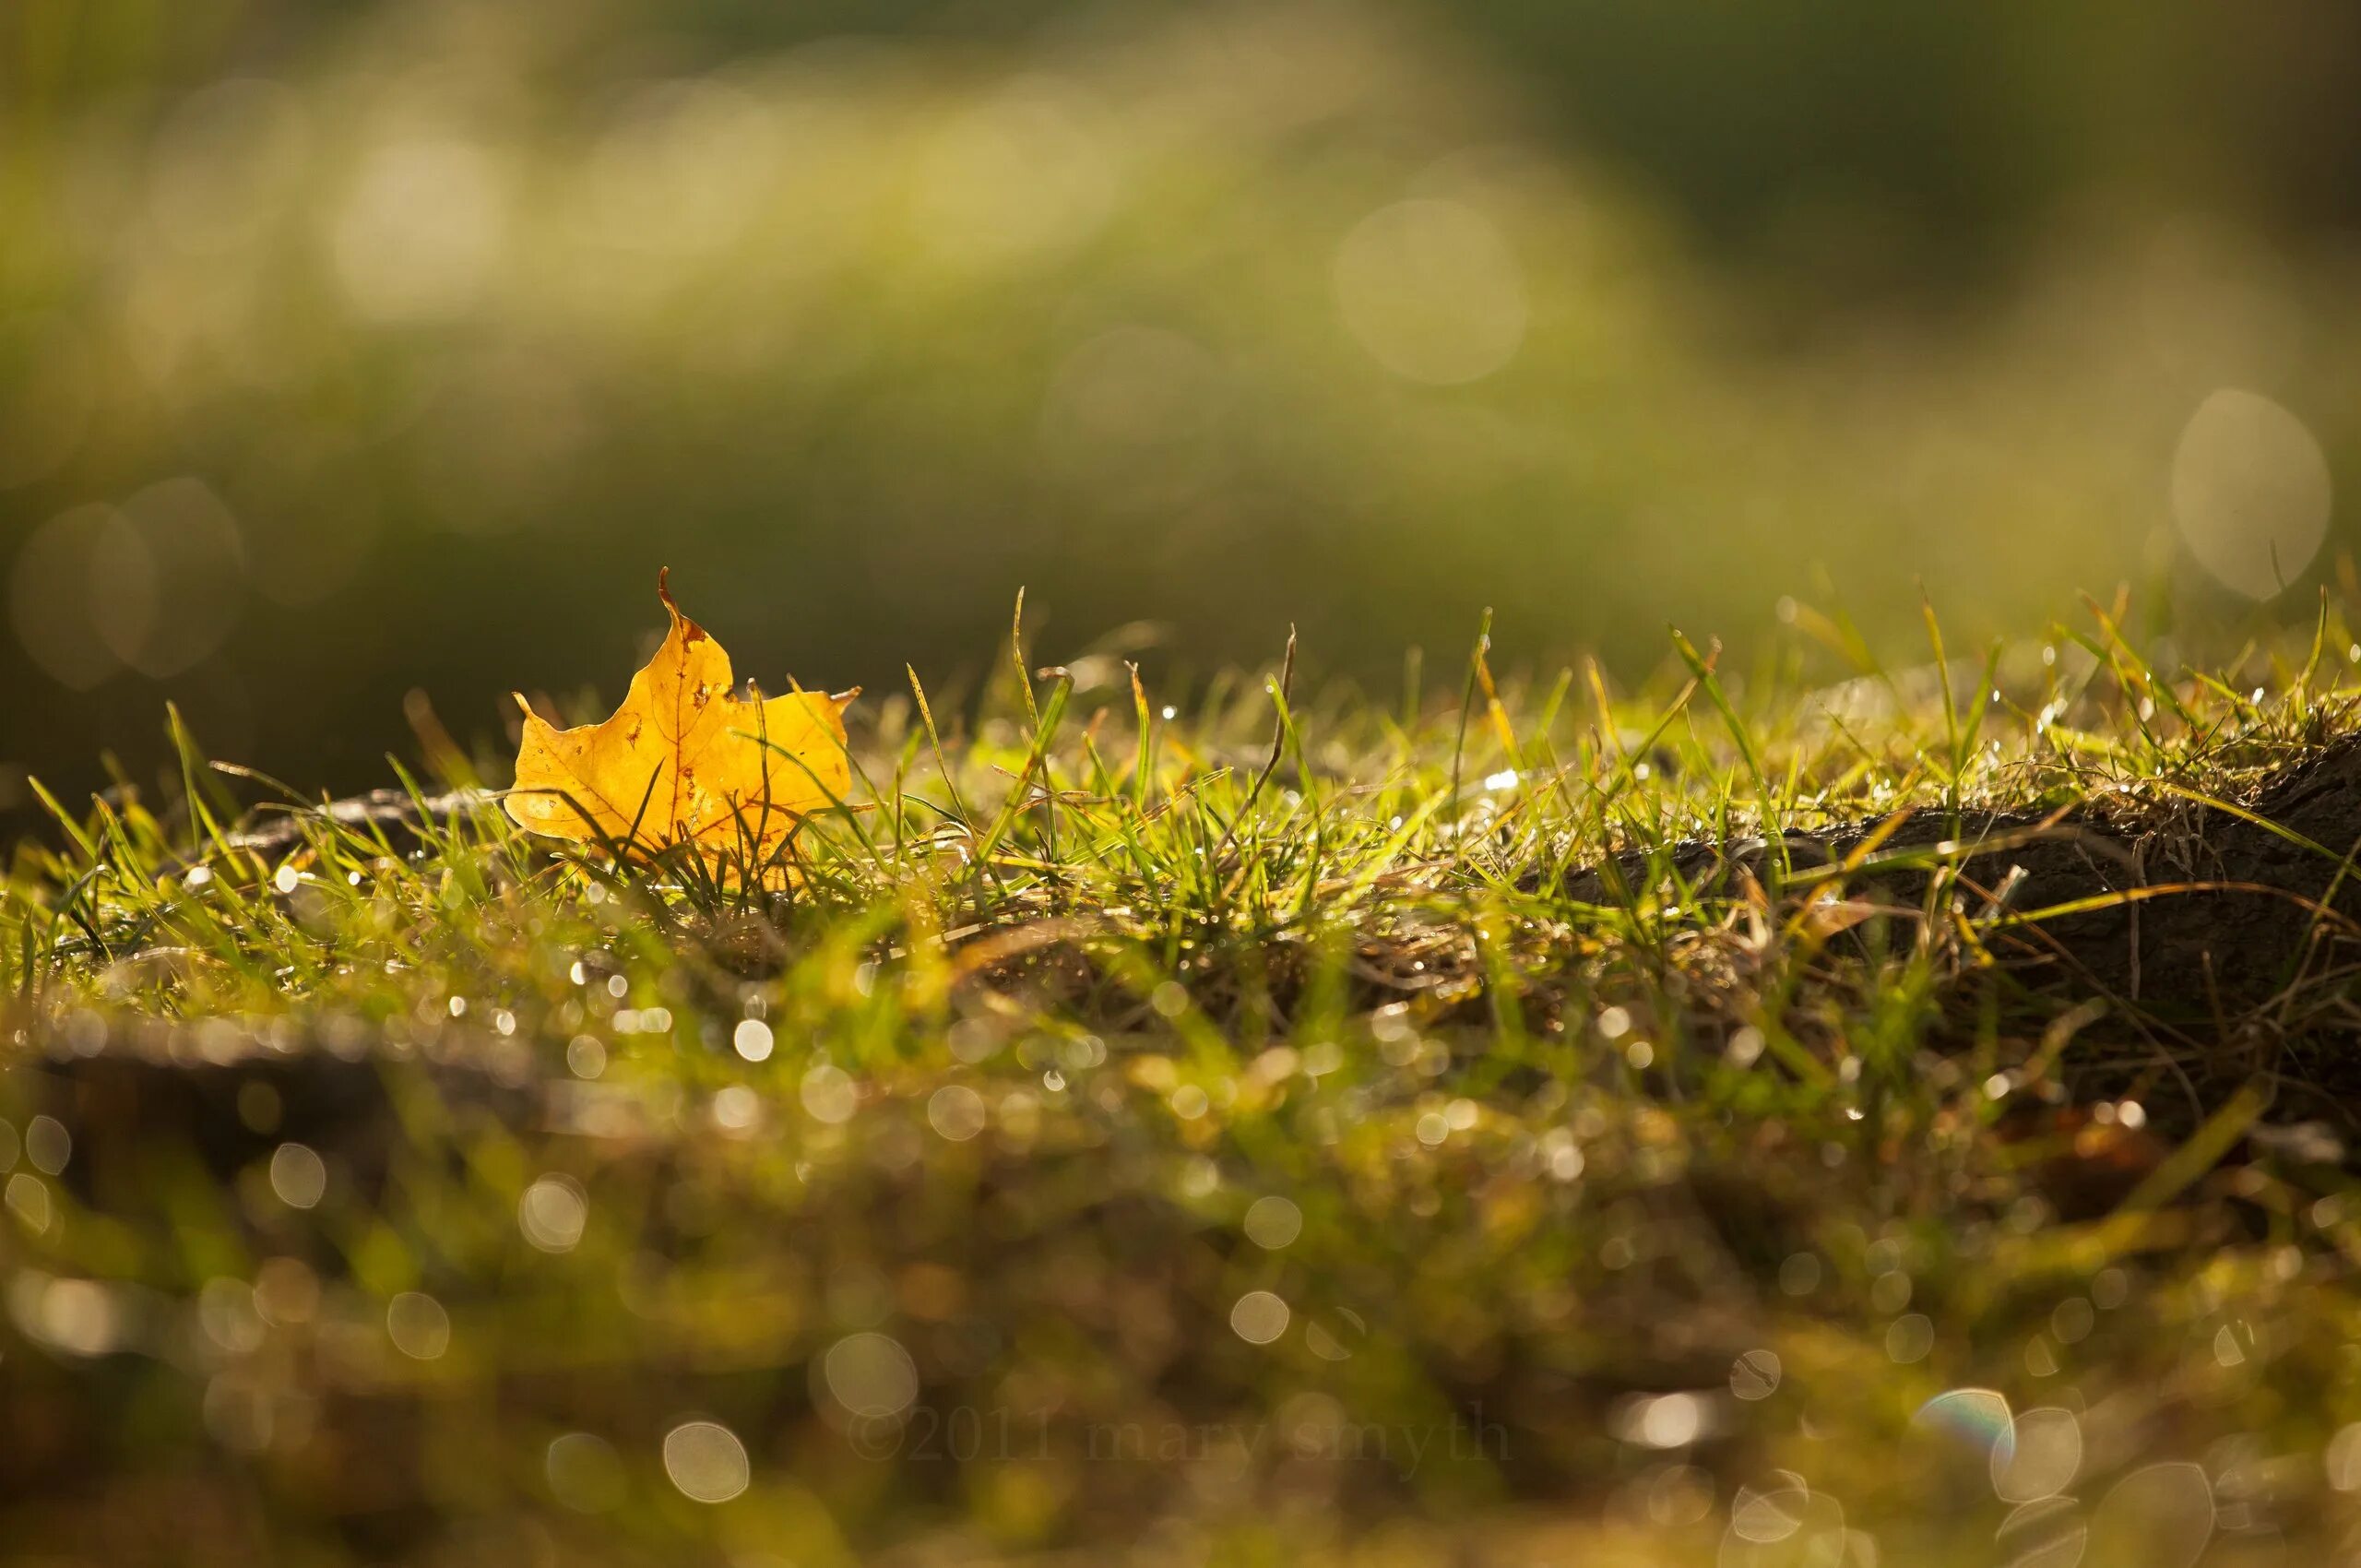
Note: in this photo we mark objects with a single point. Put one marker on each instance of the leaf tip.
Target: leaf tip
(688, 630)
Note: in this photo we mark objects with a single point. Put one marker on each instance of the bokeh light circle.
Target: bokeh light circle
(706, 1462)
(1431, 290)
(2250, 492)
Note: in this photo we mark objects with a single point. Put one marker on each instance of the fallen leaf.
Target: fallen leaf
(685, 760)
(1827, 913)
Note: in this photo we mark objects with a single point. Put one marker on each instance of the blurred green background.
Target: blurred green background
(349, 349)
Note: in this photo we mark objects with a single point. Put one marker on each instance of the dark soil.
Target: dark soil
(2230, 914)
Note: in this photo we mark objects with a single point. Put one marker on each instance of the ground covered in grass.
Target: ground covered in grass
(1738, 1120)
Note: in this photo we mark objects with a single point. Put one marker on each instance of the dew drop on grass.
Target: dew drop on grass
(871, 1375)
(2342, 1459)
(286, 1290)
(2048, 1533)
(706, 1462)
(553, 1213)
(2159, 1516)
(736, 1110)
(298, 1175)
(2072, 1320)
(1977, 1420)
(752, 1039)
(1200, 1178)
(828, 1095)
(2042, 1460)
(226, 1313)
(1272, 1223)
(27, 1199)
(1258, 1317)
(956, 1112)
(418, 1326)
(48, 1145)
(585, 1473)
(972, 1040)
(1755, 1375)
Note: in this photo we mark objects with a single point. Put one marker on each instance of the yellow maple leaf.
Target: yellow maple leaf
(685, 760)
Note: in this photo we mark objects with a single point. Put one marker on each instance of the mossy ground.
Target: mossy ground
(1224, 1136)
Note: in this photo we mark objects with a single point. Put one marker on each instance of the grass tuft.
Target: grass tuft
(1220, 1131)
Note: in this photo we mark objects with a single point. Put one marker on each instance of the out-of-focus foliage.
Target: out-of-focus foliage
(325, 332)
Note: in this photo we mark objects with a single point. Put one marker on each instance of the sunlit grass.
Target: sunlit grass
(1276, 1122)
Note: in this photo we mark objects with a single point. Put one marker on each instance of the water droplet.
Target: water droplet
(1272, 1223)
(298, 1175)
(2044, 1458)
(2161, 1517)
(418, 1326)
(956, 1112)
(871, 1375)
(752, 1039)
(706, 1462)
(1755, 1375)
(585, 1473)
(553, 1213)
(1258, 1317)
